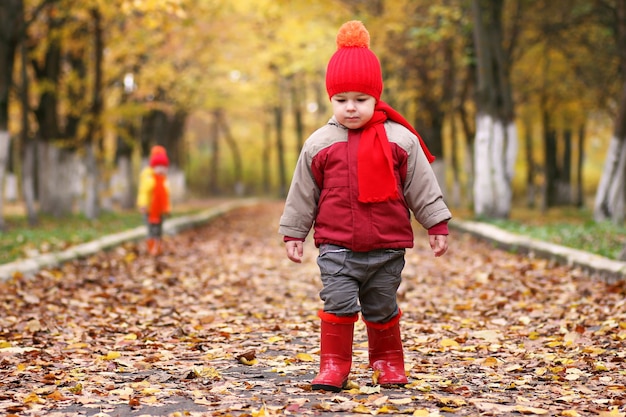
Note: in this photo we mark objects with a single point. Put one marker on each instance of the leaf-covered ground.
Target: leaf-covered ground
(224, 325)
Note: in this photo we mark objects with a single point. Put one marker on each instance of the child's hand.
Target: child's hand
(439, 244)
(295, 250)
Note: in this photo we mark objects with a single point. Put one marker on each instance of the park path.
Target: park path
(223, 324)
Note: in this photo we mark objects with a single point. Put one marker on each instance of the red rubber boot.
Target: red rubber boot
(336, 351)
(385, 351)
(150, 243)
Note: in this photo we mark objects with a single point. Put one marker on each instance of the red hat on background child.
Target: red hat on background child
(158, 156)
(354, 67)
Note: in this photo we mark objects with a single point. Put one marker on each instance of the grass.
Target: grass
(19, 240)
(567, 226)
(564, 226)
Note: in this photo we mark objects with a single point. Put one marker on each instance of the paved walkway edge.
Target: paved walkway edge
(29, 267)
(595, 265)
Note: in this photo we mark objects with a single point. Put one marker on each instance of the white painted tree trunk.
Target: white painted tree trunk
(611, 197)
(91, 202)
(5, 140)
(121, 185)
(60, 179)
(439, 168)
(495, 151)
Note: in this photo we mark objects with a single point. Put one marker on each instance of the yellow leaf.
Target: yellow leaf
(56, 396)
(375, 376)
(206, 372)
(275, 339)
(451, 401)
(111, 355)
(33, 398)
(77, 389)
(150, 400)
(79, 345)
(613, 413)
(530, 410)
(131, 336)
(259, 413)
(421, 413)
(4, 344)
(361, 409)
(386, 410)
(304, 357)
(350, 385)
(400, 401)
(150, 390)
(449, 343)
(490, 361)
(570, 413)
(245, 361)
(599, 366)
(369, 390)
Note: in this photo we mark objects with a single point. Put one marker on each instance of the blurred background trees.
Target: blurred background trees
(522, 102)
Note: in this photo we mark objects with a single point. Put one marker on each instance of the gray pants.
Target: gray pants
(155, 230)
(365, 282)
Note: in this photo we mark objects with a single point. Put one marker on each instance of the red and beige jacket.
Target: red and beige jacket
(324, 194)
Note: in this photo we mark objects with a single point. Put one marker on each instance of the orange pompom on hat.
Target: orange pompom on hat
(157, 149)
(354, 67)
(158, 156)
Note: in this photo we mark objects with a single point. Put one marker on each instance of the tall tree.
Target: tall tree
(11, 29)
(495, 146)
(610, 200)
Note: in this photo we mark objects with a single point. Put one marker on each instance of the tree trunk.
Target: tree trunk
(550, 162)
(95, 132)
(580, 192)
(11, 22)
(28, 180)
(496, 135)
(58, 166)
(609, 203)
(215, 155)
(267, 152)
(28, 148)
(232, 144)
(296, 105)
(531, 190)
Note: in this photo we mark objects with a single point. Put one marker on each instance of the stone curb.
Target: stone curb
(29, 267)
(604, 268)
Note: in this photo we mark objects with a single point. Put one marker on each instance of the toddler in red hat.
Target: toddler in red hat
(356, 182)
(153, 197)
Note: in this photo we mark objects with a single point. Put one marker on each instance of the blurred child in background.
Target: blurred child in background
(153, 199)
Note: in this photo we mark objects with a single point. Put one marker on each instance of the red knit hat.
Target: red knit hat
(354, 67)
(157, 149)
(158, 156)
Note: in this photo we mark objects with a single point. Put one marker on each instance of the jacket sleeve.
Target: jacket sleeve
(301, 204)
(146, 183)
(168, 201)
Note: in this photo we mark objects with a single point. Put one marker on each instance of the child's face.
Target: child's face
(160, 169)
(353, 109)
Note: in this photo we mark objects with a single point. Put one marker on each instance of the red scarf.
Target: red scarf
(159, 200)
(377, 181)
